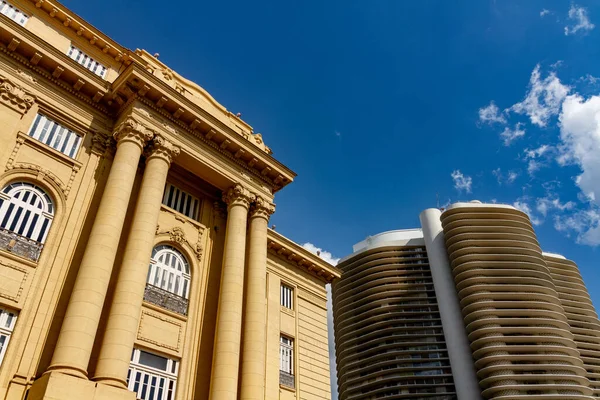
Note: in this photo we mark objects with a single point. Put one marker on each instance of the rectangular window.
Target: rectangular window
(152, 377)
(55, 135)
(286, 355)
(287, 296)
(87, 61)
(181, 201)
(8, 320)
(13, 13)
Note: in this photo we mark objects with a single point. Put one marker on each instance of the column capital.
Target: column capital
(237, 195)
(262, 208)
(162, 148)
(131, 130)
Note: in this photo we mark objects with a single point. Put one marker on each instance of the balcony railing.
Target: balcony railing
(166, 299)
(287, 379)
(20, 245)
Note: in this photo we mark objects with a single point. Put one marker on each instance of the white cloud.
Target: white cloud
(510, 177)
(491, 114)
(325, 255)
(579, 20)
(508, 135)
(580, 136)
(521, 204)
(543, 98)
(545, 204)
(584, 223)
(533, 157)
(544, 12)
(461, 182)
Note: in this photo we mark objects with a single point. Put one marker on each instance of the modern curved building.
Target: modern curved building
(509, 321)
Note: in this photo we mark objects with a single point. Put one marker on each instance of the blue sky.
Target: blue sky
(382, 106)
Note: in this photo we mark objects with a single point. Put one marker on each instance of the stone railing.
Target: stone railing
(20, 245)
(287, 379)
(165, 299)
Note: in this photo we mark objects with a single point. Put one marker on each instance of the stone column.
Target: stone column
(123, 319)
(226, 358)
(457, 342)
(74, 346)
(255, 341)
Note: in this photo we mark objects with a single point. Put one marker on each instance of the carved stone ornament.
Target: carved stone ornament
(14, 96)
(258, 140)
(101, 143)
(238, 195)
(162, 148)
(177, 235)
(132, 130)
(262, 208)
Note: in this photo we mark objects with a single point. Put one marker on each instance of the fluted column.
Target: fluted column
(78, 331)
(123, 319)
(226, 358)
(255, 343)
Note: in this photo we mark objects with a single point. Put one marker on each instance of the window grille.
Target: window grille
(152, 377)
(87, 61)
(181, 201)
(286, 352)
(13, 13)
(7, 325)
(287, 297)
(55, 135)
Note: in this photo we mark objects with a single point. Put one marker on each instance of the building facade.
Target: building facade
(498, 318)
(135, 255)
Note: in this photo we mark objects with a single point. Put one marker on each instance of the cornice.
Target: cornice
(39, 56)
(294, 254)
(136, 82)
(80, 27)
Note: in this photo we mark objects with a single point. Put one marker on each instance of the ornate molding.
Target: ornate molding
(237, 195)
(162, 148)
(142, 336)
(15, 96)
(13, 154)
(15, 296)
(262, 208)
(101, 144)
(177, 235)
(42, 174)
(133, 131)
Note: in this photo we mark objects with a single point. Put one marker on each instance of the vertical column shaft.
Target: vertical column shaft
(255, 344)
(78, 331)
(459, 351)
(224, 379)
(123, 319)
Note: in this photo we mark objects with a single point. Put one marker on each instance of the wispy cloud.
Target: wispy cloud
(536, 158)
(543, 98)
(461, 182)
(579, 20)
(546, 204)
(491, 114)
(544, 12)
(509, 178)
(509, 135)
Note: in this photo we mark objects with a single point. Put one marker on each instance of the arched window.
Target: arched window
(26, 210)
(169, 271)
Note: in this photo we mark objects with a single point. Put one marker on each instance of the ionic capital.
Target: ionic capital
(237, 195)
(163, 149)
(262, 208)
(131, 130)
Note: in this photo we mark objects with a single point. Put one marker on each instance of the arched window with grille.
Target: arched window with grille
(168, 281)
(26, 214)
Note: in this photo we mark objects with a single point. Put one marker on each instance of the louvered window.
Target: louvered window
(286, 355)
(152, 377)
(287, 296)
(55, 135)
(8, 319)
(13, 13)
(26, 210)
(87, 61)
(170, 271)
(181, 201)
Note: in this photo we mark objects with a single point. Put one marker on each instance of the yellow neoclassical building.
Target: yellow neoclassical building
(135, 255)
